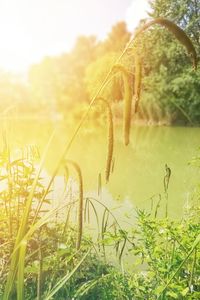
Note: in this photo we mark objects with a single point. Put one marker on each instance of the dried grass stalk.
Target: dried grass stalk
(80, 207)
(110, 138)
(138, 80)
(99, 185)
(127, 100)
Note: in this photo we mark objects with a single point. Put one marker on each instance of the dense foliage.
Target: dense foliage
(170, 88)
(169, 82)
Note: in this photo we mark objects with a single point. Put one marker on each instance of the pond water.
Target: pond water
(139, 168)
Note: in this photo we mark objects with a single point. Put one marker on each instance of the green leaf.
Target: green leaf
(172, 294)
(185, 291)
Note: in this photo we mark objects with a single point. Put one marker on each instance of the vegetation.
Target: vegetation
(170, 88)
(46, 252)
(163, 254)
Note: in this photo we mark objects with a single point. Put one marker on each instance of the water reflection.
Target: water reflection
(139, 168)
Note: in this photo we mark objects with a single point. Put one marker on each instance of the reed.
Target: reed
(99, 190)
(80, 206)
(110, 138)
(138, 80)
(127, 101)
(104, 225)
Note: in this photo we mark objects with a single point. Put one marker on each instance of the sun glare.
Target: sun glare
(30, 30)
(17, 49)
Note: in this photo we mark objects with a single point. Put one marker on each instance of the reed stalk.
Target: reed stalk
(127, 100)
(138, 80)
(80, 205)
(110, 138)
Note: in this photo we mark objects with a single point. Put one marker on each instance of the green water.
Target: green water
(139, 168)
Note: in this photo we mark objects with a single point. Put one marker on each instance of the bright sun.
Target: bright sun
(16, 52)
(22, 30)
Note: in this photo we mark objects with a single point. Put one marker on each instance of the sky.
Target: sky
(33, 29)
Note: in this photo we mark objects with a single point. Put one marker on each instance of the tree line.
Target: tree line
(65, 84)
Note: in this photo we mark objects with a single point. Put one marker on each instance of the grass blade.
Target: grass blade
(20, 274)
(61, 282)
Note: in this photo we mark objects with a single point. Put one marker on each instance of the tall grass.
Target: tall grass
(18, 251)
(110, 137)
(80, 205)
(138, 79)
(127, 100)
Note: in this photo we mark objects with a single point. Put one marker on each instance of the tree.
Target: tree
(169, 83)
(108, 51)
(58, 82)
(14, 95)
(117, 38)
